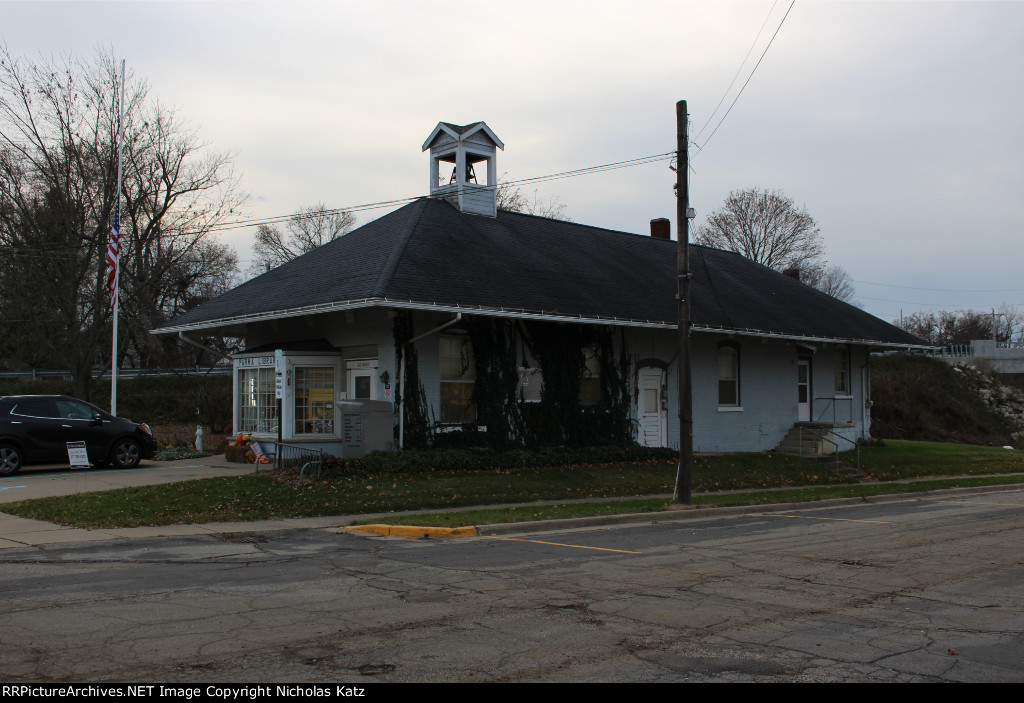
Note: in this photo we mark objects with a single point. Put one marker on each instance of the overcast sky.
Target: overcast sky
(896, 124)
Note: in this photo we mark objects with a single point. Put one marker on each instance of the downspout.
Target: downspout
(865, 395)
(194, 343)
(401, 376)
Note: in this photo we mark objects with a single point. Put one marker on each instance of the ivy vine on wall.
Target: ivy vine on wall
(413, 404)
(560, 418)
(496, 392)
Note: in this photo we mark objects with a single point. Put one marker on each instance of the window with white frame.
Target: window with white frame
(458, 376)
(531, 383)
(728, 375)
(843, 371)
(314, 399)
(257, 402)
(590, 383)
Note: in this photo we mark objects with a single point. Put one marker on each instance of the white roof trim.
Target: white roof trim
(515, 314)
(441, 127)
(482, 126)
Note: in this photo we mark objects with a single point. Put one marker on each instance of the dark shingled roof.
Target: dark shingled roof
(460, 128)
(427, 252)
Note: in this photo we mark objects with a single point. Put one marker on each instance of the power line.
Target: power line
(770, 42)
(936, 305)
(943, 290)
(277, 219)
(738, 71)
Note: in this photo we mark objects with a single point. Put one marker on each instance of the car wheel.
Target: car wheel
(10, 459)
(126, 454)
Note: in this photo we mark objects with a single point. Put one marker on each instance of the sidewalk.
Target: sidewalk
(40, 482)
(22, 532)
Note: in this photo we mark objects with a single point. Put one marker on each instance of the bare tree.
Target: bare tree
(308, 228)
(58, 182)
(176, 190)
(834, 280)
(765, 226)
(963, 326)
(512, 199)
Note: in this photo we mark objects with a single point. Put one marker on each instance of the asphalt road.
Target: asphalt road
(916, 590)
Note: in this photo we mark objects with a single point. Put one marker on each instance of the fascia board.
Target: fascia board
(522, 315)
(487, 130)
(433, 135)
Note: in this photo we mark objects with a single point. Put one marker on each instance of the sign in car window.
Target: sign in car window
(71, 410)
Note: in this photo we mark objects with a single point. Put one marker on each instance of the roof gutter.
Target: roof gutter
(518, 313)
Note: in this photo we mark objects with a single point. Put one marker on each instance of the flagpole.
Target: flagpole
(114, 249)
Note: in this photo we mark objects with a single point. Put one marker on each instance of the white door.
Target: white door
(803, 390)
(650, 410)
(362, 377)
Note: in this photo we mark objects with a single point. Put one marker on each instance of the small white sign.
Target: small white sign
(78, 455)
(254, 361)
(279, 387)
(279, 360)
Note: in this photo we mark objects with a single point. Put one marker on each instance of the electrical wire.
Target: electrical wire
(943, 290)
(770, 42)
(277, 219)
(738, 71)
(937, 305)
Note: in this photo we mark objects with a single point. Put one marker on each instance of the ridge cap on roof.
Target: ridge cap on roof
(573, 223)
(461, 128)
(388, 270)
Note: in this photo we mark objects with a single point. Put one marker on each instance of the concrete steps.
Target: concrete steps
(808, 440)
(805, 443)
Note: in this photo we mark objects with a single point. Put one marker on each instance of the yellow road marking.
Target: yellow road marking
(557, 544)
(809, 517)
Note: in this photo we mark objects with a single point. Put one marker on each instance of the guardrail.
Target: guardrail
(36, 374)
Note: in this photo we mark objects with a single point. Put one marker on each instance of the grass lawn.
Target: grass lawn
(901, 459)
(252, 497)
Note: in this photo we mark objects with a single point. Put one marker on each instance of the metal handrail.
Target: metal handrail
(830, 439)
(832, 401)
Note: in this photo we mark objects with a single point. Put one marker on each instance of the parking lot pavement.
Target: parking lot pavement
(58, 480)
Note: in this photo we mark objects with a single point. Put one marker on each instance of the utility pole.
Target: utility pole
(684, 472)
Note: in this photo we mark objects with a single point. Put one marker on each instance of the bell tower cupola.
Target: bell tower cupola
(462, 168)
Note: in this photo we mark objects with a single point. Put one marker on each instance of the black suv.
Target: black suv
(35, 429)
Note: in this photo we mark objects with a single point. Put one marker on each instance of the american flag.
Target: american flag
(113, 250)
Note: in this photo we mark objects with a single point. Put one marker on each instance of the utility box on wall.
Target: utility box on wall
(366, 426)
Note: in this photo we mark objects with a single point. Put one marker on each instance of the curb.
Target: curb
(674, 514)
(412, 531)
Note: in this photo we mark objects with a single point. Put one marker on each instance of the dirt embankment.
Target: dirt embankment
(921, 398)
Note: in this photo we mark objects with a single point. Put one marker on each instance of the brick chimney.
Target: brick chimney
(793, 273)
(661, 228)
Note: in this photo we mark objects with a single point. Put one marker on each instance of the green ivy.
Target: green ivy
(496, 392)
(560, 419)
(414, 406)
